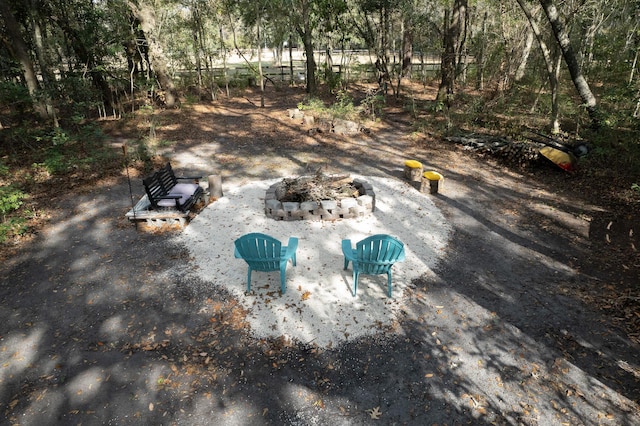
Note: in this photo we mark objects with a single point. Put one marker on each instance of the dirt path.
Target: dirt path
(102, 324)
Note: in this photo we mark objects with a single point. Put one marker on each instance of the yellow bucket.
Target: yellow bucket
(434, 179)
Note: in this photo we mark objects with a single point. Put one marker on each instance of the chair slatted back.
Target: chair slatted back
(376, 254)
(260, 251)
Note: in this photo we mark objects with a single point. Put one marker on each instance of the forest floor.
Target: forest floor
(532, 315)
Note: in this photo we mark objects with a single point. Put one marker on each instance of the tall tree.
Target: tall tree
(308, 17)
(552, 69)
(455, 26)
(20, 51)
(407, 11)
(76, 24)
(303, 20)
(145, 14)
(559, 31)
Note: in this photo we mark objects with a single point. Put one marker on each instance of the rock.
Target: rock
(345, 127)
(295, 114)
(308, 120)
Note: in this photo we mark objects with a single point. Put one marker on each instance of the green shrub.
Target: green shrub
(343, 107)
(10, 199)
(12, 226)
(17, 97)
(372, 105)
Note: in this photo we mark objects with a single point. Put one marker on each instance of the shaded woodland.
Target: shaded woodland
(532, 315)
(563, 69)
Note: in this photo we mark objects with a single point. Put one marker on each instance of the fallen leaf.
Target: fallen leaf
(375, 413)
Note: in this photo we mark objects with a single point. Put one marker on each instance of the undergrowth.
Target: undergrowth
(36, 158)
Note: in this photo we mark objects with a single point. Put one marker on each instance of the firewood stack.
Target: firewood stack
(317, 188)
(514, 152)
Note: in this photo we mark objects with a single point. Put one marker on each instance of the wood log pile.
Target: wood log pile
(317, 188)
(521, 153)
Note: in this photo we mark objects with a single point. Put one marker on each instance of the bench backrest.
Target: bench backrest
(159, 184)
(166, 177)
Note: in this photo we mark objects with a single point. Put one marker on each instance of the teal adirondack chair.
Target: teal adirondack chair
(373, 256)
(265, 253)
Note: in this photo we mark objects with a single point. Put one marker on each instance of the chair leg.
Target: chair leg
(249, 281)
(389, 283)
(283, 278)
(355, 282)
(346, 263)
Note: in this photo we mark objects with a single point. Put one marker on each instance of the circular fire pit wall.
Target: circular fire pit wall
(344, 208)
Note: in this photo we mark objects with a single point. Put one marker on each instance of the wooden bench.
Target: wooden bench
(165, 193)
(167, 201)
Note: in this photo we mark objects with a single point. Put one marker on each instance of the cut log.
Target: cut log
(215, 187)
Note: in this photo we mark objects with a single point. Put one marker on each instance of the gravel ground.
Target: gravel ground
(105, 324)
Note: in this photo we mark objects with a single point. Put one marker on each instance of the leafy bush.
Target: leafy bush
(10, 199)
(16, 97)
(332, 79)
(342, 108)
(316, 107)
(55, 162)
(373, 103)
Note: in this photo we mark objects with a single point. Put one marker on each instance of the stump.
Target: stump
(215, 187)
(431, 181)
(413, 170)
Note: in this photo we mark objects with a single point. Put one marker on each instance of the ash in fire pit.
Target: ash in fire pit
(319, 197)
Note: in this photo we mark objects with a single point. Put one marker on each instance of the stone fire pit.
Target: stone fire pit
(320, 197)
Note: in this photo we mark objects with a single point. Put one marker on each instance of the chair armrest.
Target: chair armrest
(402, 256)
(347, 249)
(292, 246)
(190, 177)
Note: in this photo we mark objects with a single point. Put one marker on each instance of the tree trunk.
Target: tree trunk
(260, 73)
(463, 19)
(453, 30)
(524, 59)
(561, 35)
(146, 15)
(407, 48)
(197, 43)
(291, 60)
(481, 53)
(552, 70)
(447, 66)
(311, 62)
(18, 48)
